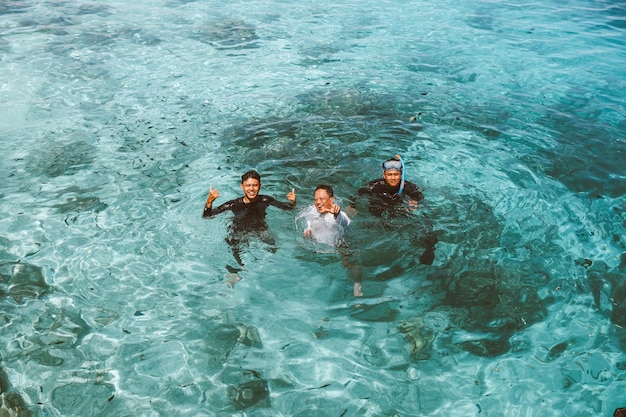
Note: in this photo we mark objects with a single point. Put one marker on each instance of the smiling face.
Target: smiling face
(392, 177)
(323, 202)
(251, 188)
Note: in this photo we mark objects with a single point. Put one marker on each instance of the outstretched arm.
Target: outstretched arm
(415, 194)
(352, 200)
(281, 204)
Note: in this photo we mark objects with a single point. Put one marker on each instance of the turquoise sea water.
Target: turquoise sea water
(116, 117)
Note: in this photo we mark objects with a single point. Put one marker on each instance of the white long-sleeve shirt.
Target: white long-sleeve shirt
(325, 228)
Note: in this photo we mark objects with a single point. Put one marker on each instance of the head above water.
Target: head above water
(323, 198)
(251, 185)
(393, 173)
(251, 174)
(326, 188)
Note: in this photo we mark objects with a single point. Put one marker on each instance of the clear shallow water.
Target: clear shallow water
(115, 118)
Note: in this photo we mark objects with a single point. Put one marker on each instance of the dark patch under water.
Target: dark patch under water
(9, 6)
(608, 287)
(589, 156)
(227, 34)
(22, 281)
(253, 392)
(66, 159)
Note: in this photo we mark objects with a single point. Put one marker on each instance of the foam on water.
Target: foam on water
(116, 118)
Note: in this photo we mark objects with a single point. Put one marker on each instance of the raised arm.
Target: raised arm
(213, 194)
(282, 205)
(292, 197)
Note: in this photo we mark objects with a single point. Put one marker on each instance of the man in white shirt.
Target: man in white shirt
(326, 223)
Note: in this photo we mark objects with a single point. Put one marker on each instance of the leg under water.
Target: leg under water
(238, 241)
(417, 228)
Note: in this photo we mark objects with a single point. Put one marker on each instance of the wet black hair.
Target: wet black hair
(251, 174)
(326, 188)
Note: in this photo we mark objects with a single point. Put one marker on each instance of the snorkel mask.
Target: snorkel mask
(393, 164)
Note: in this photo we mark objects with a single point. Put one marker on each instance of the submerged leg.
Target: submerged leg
(269, 239)
(426, 237)
(355, 274)
(233, 272)
(235, 246)
(354, 270)
(428, 256)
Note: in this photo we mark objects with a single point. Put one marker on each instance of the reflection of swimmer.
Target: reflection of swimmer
(249, 212)
(393, 196)
(326, 223)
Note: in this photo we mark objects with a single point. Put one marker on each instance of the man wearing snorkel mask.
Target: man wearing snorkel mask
(390, 190)
(392, 196)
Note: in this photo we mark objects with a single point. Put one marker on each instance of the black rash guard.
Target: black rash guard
(386, 197)
(248, 216)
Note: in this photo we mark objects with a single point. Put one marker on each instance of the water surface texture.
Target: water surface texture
(116, 117)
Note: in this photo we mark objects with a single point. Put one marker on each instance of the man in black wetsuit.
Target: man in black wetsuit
(392, 196)
(249, 213)
(387, 193)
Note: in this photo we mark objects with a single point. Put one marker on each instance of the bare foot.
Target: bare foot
(357, 290)
(233, 278)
